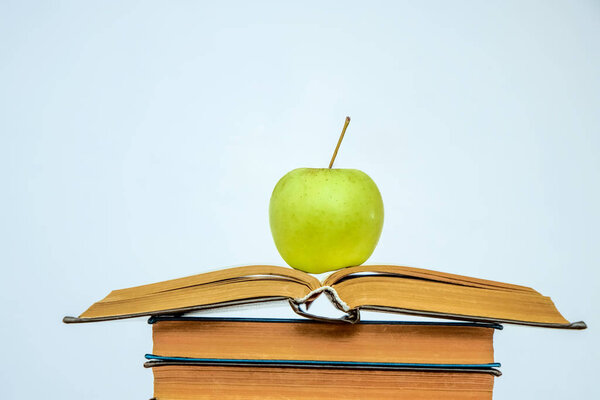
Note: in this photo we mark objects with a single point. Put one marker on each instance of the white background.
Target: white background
(140, 141)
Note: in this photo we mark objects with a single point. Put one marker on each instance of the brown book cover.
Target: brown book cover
(386, 288)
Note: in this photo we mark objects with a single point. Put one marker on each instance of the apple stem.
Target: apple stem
(339, 142)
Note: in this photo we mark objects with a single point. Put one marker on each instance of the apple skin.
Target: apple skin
(325, 219)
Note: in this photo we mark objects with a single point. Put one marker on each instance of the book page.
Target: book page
(218, 288)
(401, 271)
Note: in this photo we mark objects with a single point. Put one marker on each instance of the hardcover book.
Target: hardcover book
(195, 381)
(386, 288)
(433, 344)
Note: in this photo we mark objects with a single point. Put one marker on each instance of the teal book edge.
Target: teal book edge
(313, 363)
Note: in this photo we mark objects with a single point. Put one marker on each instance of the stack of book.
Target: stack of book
(210, 358)
(318, 358)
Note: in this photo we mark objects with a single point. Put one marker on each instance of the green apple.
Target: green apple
(323, 219)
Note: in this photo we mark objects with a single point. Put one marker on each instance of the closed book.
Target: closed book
(426, 343)
(176, 380)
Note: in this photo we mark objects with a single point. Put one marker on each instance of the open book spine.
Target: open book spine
(350, 315)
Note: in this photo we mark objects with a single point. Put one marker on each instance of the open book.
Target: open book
(385, 288)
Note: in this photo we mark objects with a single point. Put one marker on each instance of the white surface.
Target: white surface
(140, 141)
